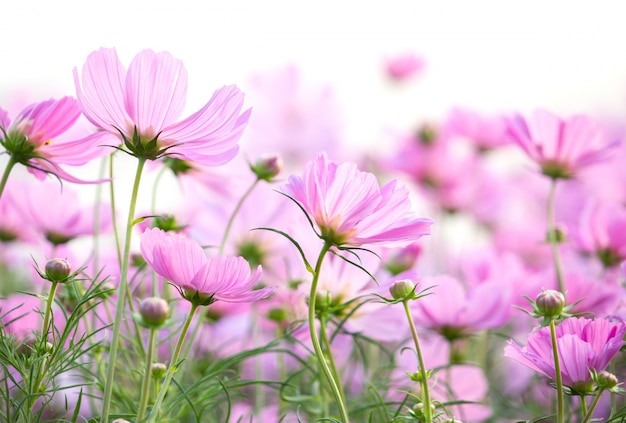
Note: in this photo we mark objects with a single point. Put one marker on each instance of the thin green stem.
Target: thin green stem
(147, 376)
(319, 354)
(560, 411)
(235, 212)
(593, 406)
(428, 417)
(553, 238)
(5, 174)
(583, 405)
(172, 367)
(121, 294)
(329, 357)
(48, 313)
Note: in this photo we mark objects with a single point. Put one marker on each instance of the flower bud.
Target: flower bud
(154, 312)
(550, 303)
(106, 290)
(606, 380)
(158, 370)
(402, 290)
(58, 270)
(267, 167)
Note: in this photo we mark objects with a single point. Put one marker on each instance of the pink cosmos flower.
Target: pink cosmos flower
(199, 279)
(583, 345)
(35, 138)
(350, 208)
(141, 106)
(404, 66)
(560, 147)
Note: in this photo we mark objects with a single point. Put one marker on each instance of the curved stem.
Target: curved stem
(232, 216)
(552, 237)
(593, 406)
(5, 174)
(172, 367)
(319, 354)
(428, 418)
(147, 376)
(560, 411)
(121, 294)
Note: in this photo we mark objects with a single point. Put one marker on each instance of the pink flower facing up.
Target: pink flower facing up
(350, 209)
(583, 345)
(141, 107)
(200, 279)
(35, 138)
(560, 147)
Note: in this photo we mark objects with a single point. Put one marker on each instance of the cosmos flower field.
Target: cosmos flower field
(241, 262)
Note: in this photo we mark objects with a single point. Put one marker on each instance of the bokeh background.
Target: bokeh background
(492, 56)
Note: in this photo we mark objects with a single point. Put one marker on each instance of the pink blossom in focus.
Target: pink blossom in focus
(349, 207)
(404, 66)
(583, 345)
(560, 147)
(145, 102)
(182, 261)
(35, 138)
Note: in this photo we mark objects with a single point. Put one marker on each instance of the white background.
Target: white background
(566, 56)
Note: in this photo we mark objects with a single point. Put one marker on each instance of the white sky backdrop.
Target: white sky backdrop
(567, 56)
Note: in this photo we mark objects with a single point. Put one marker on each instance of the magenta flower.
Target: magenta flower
(404, 66)
(35, 138)
(560, 147)
(141, 106)
(583, 345)
(350, 209)
(199, 279)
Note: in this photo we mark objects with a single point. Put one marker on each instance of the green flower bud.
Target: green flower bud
(550, 303)
(158, 370)
(154, 312)
(402, 290)
(267, 167)
(606, 380)
(58, 270)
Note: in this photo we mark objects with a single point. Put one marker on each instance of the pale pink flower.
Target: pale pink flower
(141, 106)
(35, 138)
(349, 208)
(560, 147)
(404, 66)
(485, 132)
(200, 279)
(583, 345)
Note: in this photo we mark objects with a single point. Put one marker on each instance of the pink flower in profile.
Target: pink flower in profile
(141, 106)
(35, 138)
(560, 147)
(350, 209)
(404, 66)
(583, 345)
(200, 279)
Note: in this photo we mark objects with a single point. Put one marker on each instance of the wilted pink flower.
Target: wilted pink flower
(141, 107)
(583, 345)
(33, 138)
(404, 66)
(560, 147)
(199, 279)
(350, 208)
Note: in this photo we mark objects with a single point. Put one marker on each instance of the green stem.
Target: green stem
(329, 356)
(552, 236)
(235, 212)
(593, 406)
(172, 367)
(147, 376)
(5, 175)
(560, 412)
(583, 405)
(319, 354)
(428, 418)
(48, 313)
(121, 294)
